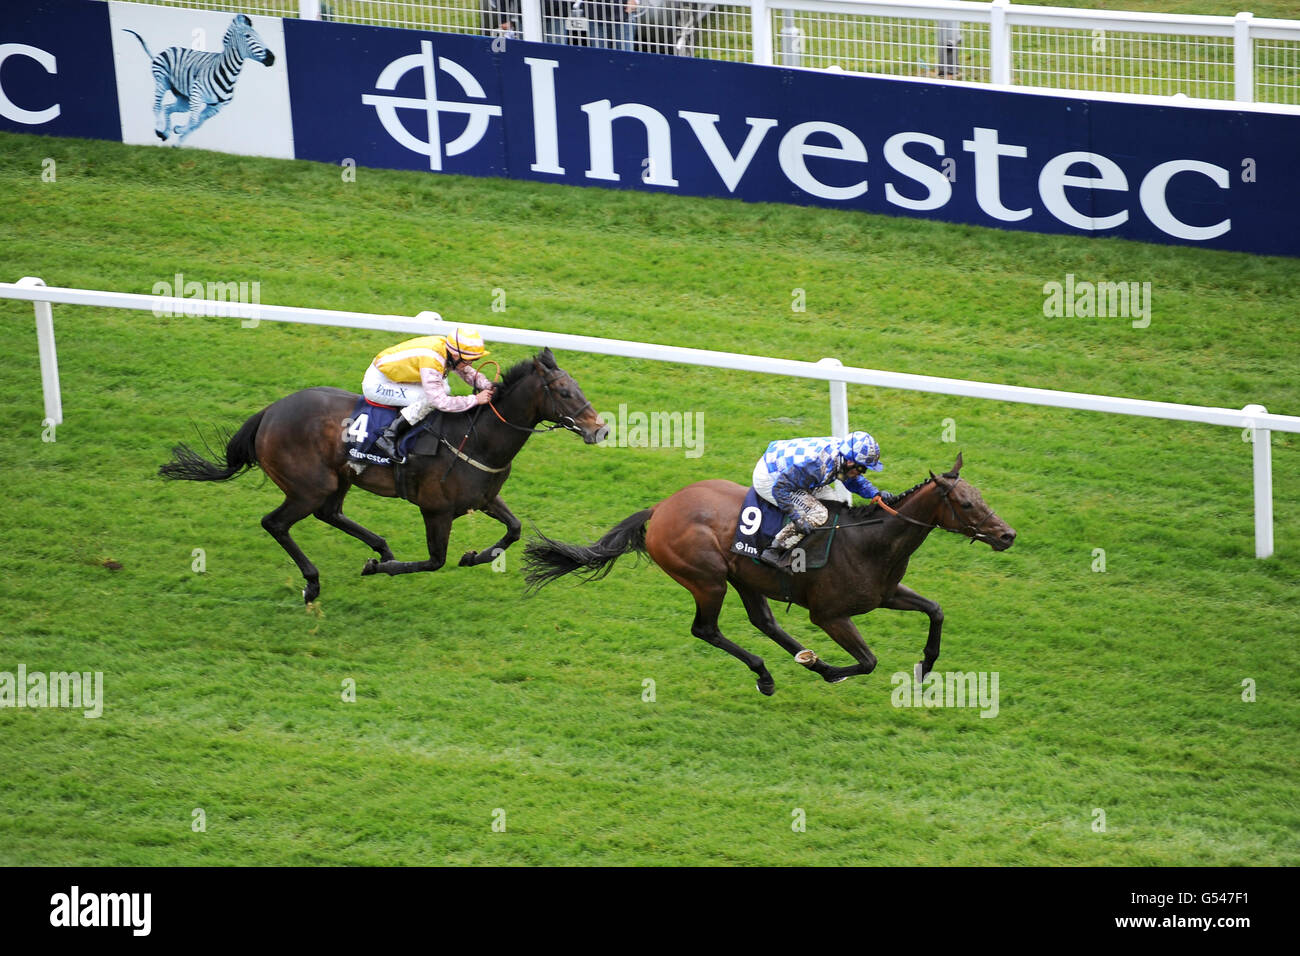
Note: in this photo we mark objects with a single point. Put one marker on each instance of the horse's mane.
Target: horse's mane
(522, 369)
(858, 512)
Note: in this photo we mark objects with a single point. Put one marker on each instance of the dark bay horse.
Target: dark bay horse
(690, 535)
(298, 442)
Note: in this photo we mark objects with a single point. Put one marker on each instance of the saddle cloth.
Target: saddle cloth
(367, 423)
(760, 520)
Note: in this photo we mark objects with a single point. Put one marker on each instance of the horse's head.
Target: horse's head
(557, 398)
(962, 509)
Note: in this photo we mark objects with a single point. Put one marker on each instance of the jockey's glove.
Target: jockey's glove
(802, 525)
(889, 498)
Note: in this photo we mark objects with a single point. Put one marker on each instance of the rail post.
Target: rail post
(1262, 441)
(49, 357)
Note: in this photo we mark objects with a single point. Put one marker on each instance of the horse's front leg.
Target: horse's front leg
(437, 532)
(847, 636)
(497, 509)
(905, 599)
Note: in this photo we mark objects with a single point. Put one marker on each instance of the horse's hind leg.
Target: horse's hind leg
(497, 509)
(844, 634)
(905, 599)
(708, 604)
(331, 512)
(277, 524)
(760, 615)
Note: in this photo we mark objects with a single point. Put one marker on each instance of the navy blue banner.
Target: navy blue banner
(406, 99)
(491, 107)
(56, 70)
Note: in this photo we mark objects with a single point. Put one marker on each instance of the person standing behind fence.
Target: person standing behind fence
(613, 23)
(555, 17)
(949, 38)
(499, 17)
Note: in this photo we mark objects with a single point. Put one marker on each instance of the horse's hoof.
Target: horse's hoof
(370, 567)
(467, 559)
(918, 672)
(838, 680)
(806, 657)
(767, 689)
(310, 593)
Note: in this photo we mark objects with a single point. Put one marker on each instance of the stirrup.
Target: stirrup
(388, 447)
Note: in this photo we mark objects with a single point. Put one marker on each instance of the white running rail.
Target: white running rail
(1253, 420)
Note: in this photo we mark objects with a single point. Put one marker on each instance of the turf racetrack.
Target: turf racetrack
(1121, 735)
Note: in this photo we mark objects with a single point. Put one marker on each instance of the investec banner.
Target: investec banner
(438, 102)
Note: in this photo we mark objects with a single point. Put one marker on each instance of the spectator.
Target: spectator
(949, 37)
(499, 17)
(613, 23)
(555, 15)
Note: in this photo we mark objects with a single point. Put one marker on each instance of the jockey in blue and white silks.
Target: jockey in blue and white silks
(795, 473)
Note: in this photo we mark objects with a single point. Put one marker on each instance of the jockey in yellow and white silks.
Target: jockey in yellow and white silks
(794, 474)
(413, 376)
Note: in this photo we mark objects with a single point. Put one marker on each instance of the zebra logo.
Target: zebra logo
(202, 83)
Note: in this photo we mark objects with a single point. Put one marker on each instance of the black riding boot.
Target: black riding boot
(772, 557)
(386, 444)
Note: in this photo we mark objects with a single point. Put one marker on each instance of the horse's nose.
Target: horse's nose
(1009, 536)
(601, 434)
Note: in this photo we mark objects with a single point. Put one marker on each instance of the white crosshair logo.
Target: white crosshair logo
(387, 106)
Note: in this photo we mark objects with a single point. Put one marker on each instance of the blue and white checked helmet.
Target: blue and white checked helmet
(861, 449)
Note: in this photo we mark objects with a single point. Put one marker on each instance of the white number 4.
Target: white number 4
(356, 430)
(750, 519)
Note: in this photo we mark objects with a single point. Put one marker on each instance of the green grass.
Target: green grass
(1120, 691)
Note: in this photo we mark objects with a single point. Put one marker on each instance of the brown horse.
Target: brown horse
(690, 535)
(298, 441)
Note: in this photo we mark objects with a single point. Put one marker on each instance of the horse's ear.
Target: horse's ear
(956, 468)
(545, 359)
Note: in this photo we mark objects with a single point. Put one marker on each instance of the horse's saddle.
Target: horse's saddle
(760, 520)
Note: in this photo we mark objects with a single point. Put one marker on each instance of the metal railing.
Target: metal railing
(1239, 58)
(1254, 420)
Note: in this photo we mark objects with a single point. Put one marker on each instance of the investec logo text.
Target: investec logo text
(793, 151)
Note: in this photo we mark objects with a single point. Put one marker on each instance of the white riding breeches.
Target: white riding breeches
(409, 396)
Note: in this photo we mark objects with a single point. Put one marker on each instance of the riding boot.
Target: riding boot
(386, 444)
(785, 539)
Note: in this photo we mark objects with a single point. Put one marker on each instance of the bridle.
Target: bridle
(972, 531)
(567, 422)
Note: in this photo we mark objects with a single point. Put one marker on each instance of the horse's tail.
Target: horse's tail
(141, 39)
(241, 454)
(545, 560)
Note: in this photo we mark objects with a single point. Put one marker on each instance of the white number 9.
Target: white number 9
(750, 519)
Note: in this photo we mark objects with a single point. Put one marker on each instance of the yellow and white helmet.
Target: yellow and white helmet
(466, 344)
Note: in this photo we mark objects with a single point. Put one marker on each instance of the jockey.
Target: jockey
(413, 376)
(794, 474)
